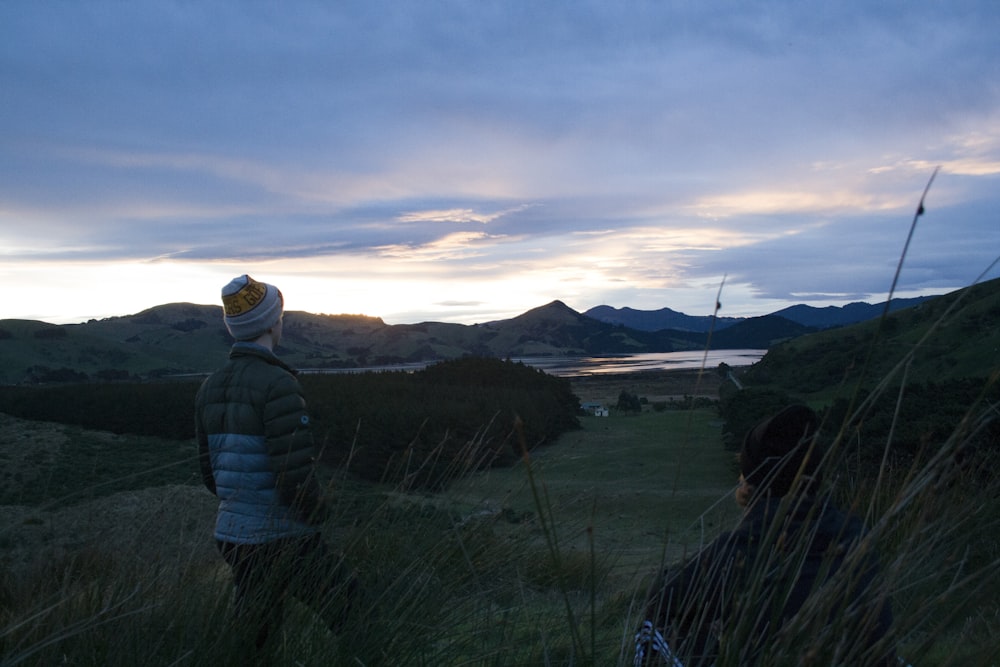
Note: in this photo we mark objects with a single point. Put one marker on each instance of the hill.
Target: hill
(951, 337)
(893, 391)
(183, 338)
(657, 320)
(838, 316)
(807, 316)
(759, 333)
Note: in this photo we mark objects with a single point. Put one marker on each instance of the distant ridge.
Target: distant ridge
(852, 313)
(809, 316)
(657, 320)
(190, 339)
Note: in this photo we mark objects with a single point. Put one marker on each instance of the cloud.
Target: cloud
(483, 158)
(457, 215)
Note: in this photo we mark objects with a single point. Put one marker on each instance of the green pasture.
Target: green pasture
(541, 563)
(544, 562)
(630, 486)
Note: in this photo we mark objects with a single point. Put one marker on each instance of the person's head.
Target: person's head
(252, 309)
(780, 453)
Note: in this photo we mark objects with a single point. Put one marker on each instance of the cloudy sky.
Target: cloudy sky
(469, 160)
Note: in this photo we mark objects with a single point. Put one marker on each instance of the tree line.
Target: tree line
(422, 427)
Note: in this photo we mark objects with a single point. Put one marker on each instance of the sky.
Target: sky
(466, 161)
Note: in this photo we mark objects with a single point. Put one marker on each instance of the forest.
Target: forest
(382, 426)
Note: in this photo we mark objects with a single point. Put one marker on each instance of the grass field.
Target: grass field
(542, 563)
(629, 482)
(86, 511)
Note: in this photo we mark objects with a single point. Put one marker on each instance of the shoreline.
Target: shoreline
(654, 385)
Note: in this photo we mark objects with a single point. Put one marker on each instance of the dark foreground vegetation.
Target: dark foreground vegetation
(913, 420)
(891, 391)
(381, 426)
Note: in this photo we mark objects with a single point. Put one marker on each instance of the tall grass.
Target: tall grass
(460, 577)
(448, 584)
(937, 523)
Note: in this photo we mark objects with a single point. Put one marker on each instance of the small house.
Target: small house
(595, 409)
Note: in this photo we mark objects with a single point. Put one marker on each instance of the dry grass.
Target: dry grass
(547, 575)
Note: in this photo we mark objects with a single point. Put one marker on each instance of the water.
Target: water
(605, 365)
(633, 363)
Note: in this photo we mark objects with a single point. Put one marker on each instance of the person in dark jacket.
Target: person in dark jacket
(257, 454)
(794, 571)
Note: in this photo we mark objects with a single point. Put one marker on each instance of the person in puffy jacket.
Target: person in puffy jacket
(257, 455)
(794, 583)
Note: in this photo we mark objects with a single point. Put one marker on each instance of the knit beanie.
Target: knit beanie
(251, 307)
(774, 450)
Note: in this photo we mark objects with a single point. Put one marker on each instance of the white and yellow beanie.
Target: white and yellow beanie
(251, 307)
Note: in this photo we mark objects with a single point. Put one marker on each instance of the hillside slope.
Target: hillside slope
(838, 316)
(657, 320)
(951, 337)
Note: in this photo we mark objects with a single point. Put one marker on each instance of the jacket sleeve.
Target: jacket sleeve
(204, 460)
(670, 600)
(292, 450)
(686, 601)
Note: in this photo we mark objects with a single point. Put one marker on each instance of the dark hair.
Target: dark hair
(777, 449)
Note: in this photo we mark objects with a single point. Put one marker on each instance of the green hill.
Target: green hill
(951, 337)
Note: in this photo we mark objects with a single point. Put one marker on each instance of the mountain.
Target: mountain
(809, 316)
(557, 329)
(183, 338)
(657, 320)
(852, 313)
(758, 333)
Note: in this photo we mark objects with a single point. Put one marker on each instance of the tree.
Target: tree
(628, 402)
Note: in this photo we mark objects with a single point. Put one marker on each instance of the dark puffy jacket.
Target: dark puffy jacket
(256, 450)
(748, 586)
